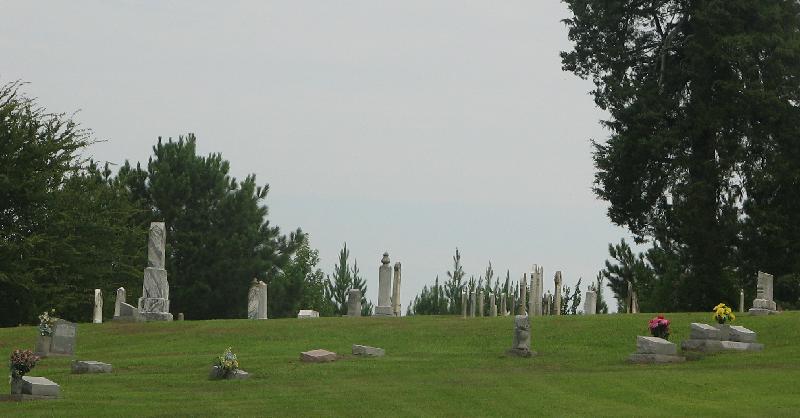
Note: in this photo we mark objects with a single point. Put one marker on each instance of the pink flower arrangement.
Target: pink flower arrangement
(659, 327)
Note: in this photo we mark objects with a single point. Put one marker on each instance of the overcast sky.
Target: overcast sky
(412, 127)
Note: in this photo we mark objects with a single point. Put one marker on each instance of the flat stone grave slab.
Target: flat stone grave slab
(317, 356)
(237, 374)
(89, 366)
(705, 346)
(739, 346)
(367, 351)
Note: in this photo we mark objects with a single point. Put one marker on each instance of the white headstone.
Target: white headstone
(396, 308)
(97, 316)
(120, 300)
(384, 307)
(590, 305)
(557, 298)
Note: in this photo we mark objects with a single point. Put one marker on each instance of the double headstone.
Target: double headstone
(763, 303)
(257, 300)
(154, 303)
(711, 339)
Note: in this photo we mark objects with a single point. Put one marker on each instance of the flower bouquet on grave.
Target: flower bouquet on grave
(21, 363)
(723, 313)
(47, 323)
(659, 327)
(226, 364)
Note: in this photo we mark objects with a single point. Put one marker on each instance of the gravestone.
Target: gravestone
(590, 305)
(741, 300)
(180, 316)
(655, 350)
(557, 298)
(384, 307)
(87, 366)
(763, 304)
(36, 387)
(537, 290)
(257, 300)
(521, 346)
(354, 302)
(492, 305)
(464, 303)
(523, 290)
(480, 303)
(307, 313)
(396, 308)
(317, 356)
(154, 303)
(120, 299)
(710, 339)
(218, 373)
(472, 302)
(64, 336)
(97, 315)
(367, 351)
(503, 310)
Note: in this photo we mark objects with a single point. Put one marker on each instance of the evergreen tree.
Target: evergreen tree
(628, 269)
(300, 285)
(454, 286)
(361, 284)
(601, 306)
(341, 283)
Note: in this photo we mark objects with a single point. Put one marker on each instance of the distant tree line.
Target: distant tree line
(69, 225)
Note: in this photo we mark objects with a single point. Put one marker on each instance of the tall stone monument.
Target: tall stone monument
(354, 302)
(537, 291)
(763, 304)
(464, 303)
(472, 301)
(503, 310)
(523, 290)
(154, 303)
(480, 303)
(97, 315)
(384, 307)
(492, 304)
(741, 300)
(120, 300)
(590, 305)
(396, 308)
(557, 297)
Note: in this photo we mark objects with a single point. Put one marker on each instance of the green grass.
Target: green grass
(435, 366)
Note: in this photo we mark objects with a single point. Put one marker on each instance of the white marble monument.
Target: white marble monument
(763, 304)
(384, 307)
(154, 303)
(97, 315)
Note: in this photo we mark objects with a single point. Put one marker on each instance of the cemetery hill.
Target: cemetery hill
(162, 288)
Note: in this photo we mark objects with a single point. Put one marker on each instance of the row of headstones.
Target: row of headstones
(703, 338)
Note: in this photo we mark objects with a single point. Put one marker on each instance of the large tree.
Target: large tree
(690, 88)
(218, 235)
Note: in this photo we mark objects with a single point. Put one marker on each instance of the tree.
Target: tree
(300, 285)
(692, 89)
(628, 269)
(571, 301)
(428, 302)
(601, 306)
(361, 284)
(453, 288)
(218, 237)
(64, 224)
(341, 283)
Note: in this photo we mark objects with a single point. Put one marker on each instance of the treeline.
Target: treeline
(446, 298)
(69, 225)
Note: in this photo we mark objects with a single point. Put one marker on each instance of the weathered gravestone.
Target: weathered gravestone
(307, 313)
(396, 308)
(521, 346)
(97, 315)
(217, 372)
(763, 304)
(64, 336)
(35, 387)
(154, 303)
(709, 339)
(590, 305)
(354, 302)
(655, 350)
(257, 300)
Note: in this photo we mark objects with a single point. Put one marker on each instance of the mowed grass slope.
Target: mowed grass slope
(435, 366)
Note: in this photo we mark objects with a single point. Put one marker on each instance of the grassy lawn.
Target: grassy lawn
(435, 366)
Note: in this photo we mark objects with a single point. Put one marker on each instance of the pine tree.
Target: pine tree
(341, 283)
(454, 286)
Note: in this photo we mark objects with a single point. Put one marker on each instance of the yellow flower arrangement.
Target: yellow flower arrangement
(227, 362)
(723, 313)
